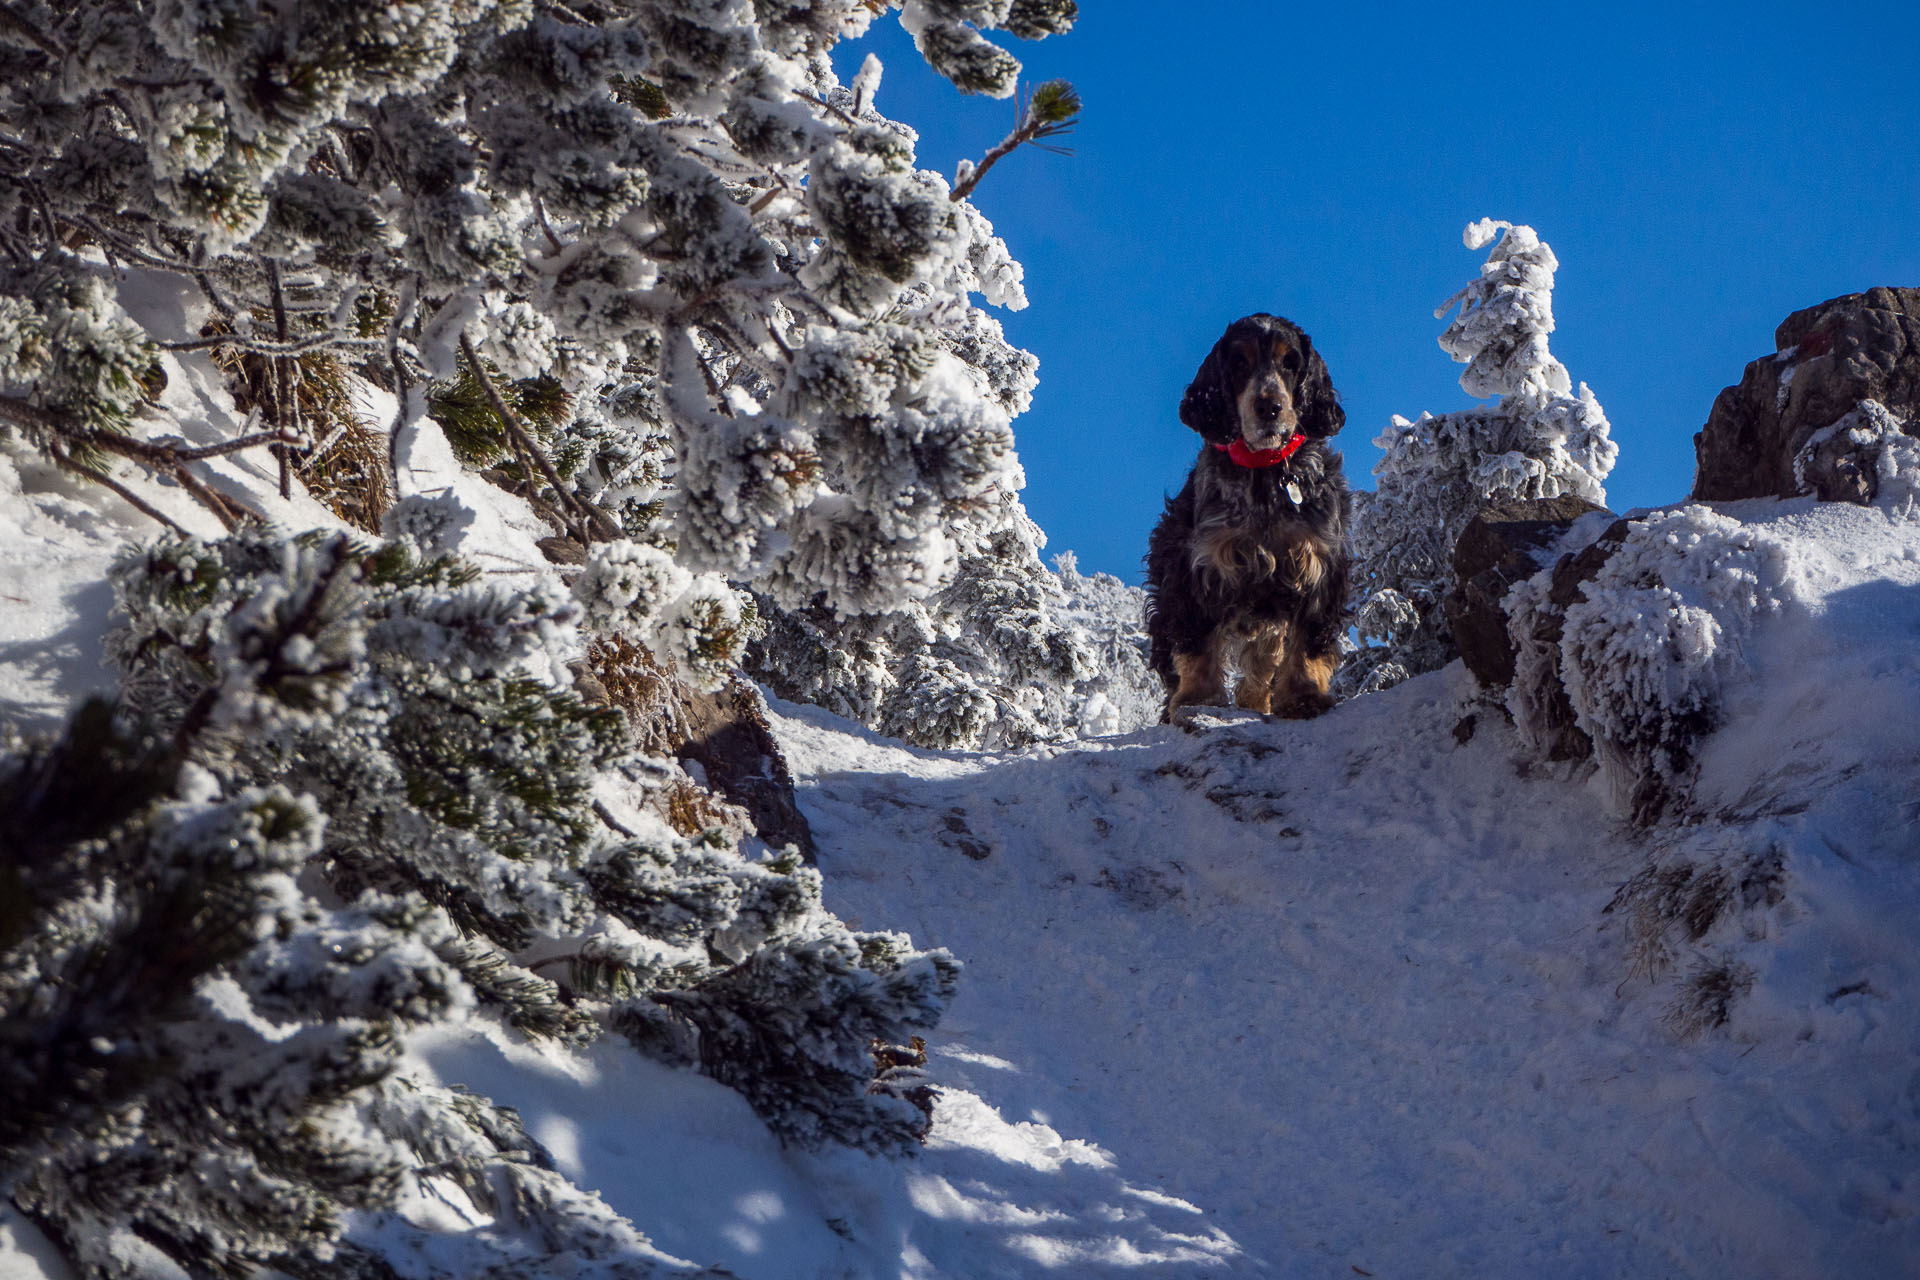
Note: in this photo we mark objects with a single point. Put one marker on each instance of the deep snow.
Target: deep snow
(1267, 998)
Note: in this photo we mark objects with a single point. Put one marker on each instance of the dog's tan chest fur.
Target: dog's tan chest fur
(1240, 556)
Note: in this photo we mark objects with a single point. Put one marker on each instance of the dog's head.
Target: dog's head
(1262, 383)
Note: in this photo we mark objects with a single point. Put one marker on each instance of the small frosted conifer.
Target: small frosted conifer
(1540, 440)
(1007, 654)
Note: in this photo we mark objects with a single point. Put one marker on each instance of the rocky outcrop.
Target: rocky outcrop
(1542, 689)
(1504, 544)
(728, 736)
(1828, 359)
(722, 740)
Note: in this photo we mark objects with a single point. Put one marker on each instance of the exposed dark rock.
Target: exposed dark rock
(725, 734)
(1552, 712)
(1573, 571)
(728, 736)
(1502, 545)
(1842, 462)
(1836, 471)
(562, 550)
(1863, 346)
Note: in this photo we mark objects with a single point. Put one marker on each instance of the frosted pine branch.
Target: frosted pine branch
(593, 522)
(1049, 111)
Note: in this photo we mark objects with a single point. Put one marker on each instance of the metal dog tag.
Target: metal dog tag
(1293, 491)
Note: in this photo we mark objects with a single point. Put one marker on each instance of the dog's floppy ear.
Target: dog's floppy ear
(1320, 412)
(1206, 407)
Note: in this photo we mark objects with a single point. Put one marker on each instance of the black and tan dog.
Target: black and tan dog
(1249, 563)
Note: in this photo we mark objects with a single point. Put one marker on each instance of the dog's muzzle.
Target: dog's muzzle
(1270, 430)
(1267, 415)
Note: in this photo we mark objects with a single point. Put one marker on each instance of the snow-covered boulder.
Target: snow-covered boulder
(1631, 650)
(1828, 359)
(1625, 646)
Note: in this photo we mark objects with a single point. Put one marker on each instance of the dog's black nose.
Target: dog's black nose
(1268, 410)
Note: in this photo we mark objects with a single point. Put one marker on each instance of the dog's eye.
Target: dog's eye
(1291, 362)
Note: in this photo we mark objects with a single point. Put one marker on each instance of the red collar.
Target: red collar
(1245, 457)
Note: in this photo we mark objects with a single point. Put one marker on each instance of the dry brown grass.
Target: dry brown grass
(345, 468)
(638, 683)
(631, 678)
(1673, 908)
(1706, 997)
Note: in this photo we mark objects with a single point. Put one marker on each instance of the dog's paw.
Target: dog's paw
(1304, 706)
(1198, 719)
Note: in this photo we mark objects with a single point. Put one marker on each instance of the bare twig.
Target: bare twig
(714, 390)
(325, 446)
(773, 193)
(278, 436)
(220, 304)
(532, 495)
(165, 453)
(24, 413)
(44, 208)
(562, 12)
(283, 376)
(131, 249)
(822, 102)
(162, 455)
(272, 349)
(133, 499)
(402, 309)
(540, 212)
(227, 510)
(750, 355)
(601, 811)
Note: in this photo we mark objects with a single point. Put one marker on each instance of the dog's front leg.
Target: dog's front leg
(1261, 656)
(1302, 683)
(1201, 680)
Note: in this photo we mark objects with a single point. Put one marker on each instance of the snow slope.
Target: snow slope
(1350, 987)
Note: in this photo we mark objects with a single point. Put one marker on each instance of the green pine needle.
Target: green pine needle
(1054, 102)
(646, 97)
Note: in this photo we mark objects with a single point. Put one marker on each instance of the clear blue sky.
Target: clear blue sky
(1701, 170)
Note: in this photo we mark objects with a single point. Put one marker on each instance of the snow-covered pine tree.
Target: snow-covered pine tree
(675, 213)
(179, 1024)
(1540, 441)
(371, 716)
(744, 307)
(652, 265)
(1008, 653)
(972, 653)
(1126, 693)
(201, 1053)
